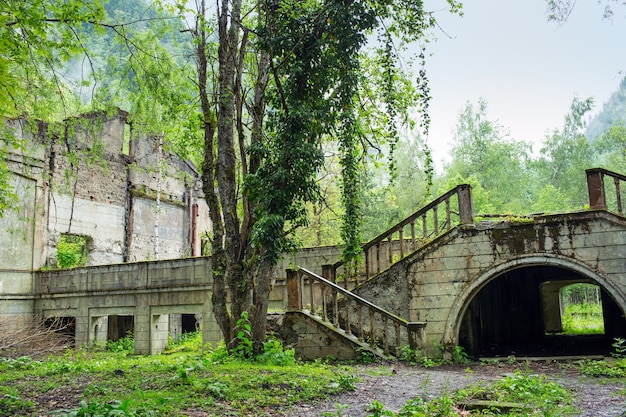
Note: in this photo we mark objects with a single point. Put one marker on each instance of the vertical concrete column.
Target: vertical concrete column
(466, 204)
(294, 290)
(595, 187)
(417, 335)
(211, 333)
(82, 332)
(327, 272)
(159, 331)
(551, 305)
(142, 326)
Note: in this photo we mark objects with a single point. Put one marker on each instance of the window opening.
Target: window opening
(581, 309)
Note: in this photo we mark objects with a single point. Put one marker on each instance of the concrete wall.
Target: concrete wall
(148, 291)
(94, 177)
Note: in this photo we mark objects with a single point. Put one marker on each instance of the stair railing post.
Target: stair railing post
(417, 335)
(595, 187)
(466, 204)
(294, 290)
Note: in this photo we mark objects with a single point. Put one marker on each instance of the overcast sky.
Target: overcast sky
(526, 68)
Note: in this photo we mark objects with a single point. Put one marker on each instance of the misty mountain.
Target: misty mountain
(613, 112)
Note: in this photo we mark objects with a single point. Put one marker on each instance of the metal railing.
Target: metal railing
(352, 314)
(599, 196)
(427, 223)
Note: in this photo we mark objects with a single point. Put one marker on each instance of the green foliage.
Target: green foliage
(125, 345)
(534, 392)
(582, 309)
(275, 354)
(12, 404)
(378, 410)
(243, 337)
(71, 251)
(583, 319)
(174, 384)
(417, 357)
(441, 406)
(186, 342)
(95, 409)
(608, 368)
(619, 345)
(615, 368)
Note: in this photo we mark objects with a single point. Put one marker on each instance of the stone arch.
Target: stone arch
(462, 300)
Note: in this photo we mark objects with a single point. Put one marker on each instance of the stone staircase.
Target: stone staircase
(324, 318)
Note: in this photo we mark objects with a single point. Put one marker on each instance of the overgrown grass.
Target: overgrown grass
(188, 380)
(520, 394)
(586, 318)
(608, 368)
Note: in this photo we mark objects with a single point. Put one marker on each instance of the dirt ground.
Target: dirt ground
(393, 384)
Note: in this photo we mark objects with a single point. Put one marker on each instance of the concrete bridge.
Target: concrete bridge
(490, 286)
(438, 279)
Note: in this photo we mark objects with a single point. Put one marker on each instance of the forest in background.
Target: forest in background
(143, 65)
(508, 176)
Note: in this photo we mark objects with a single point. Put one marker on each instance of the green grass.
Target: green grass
(520, 394)
(115, 383)
(583, 319)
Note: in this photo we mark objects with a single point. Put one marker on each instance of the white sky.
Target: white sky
(526, 68)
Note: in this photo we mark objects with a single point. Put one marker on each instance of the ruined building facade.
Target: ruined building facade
(93, 179)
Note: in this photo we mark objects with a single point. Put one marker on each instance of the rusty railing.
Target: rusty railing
(427, 223)
(352, 314)
(599, 197)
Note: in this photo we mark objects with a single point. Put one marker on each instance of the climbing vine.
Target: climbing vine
(316, 48)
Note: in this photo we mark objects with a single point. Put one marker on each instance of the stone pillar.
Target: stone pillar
(466, 204)
(211, 333)
(595, 187)
(417, 334)
(83, 332)
(551, 306)
(159, 331)
(294, 290)
(142, 329)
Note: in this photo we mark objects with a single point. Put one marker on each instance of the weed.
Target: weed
(532, 391)
(275, 354)
(379, 410)
(117, 408)
(125, 345)
(459, 355)
(365, 356)
(11, 403)
(620, 347)
(186, 342)
(416, 357)
(243, 339)
(338, 411)
(609, 369)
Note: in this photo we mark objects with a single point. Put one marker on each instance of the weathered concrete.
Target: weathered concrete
(93, 177)
(440, 281)
(313, 338)
(147, 291)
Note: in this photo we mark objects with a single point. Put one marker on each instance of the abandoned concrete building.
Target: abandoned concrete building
(439, 279)
(93, 180)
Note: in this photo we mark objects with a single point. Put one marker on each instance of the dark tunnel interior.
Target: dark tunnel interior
(519, 314)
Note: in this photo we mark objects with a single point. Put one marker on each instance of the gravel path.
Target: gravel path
(394, 384)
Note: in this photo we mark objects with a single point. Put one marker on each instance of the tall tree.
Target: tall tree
(300, 60)
(36, 39)
(566, 154)
(483, 151)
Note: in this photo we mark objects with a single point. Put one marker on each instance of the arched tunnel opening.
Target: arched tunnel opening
(525, 312)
